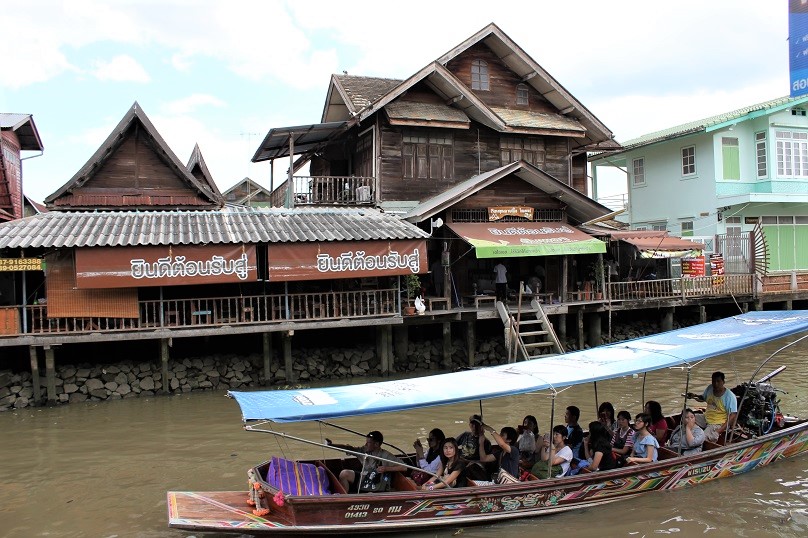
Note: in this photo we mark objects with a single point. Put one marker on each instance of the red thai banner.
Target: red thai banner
(176, 265)
(345, 259)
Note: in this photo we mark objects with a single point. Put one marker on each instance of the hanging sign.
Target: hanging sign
(496, 213)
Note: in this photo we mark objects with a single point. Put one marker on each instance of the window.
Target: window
(659, 226)
(792, 154)
(479, 75)
(760, 152)
(526, 149)
(521, 94)
(731, 158)
(428, 156)
(638, 172)
(687, 228)
(689, 161)
(363, 157)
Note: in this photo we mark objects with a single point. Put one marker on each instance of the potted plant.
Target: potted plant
(413, 286)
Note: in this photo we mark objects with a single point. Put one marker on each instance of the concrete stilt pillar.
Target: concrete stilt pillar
(50, 374)
(381, 351)
(593, 330)
(788, 305)
(702, 314)
(471, 343)
(561, 327)
(447, 345)
(164, 364)
(744, 307)
(288, 366)
(400, 343)
(580, 329)
(388, 347)
(667, 320)
(267, 349)
(32, 352)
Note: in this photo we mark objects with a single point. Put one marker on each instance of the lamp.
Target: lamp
(437, 223)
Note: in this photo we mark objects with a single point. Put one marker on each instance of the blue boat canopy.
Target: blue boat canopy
(675, 348)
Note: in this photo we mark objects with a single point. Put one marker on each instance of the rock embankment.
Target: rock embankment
(93, 382)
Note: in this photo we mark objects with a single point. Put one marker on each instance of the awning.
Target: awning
(518, 239)
(306, 138)
(665, 247)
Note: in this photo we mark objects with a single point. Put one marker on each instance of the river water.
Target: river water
(103, 469)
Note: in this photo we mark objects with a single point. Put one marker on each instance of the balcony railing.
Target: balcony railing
(327, 190)
(684, 287)
(197, 313)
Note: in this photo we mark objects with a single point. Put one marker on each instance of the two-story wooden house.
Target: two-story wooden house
(720, 177)
(482, 138)
(18, 133)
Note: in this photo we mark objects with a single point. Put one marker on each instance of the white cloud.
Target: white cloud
(121, 68)
(188, 105)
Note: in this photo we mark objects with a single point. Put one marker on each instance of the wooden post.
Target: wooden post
(471, 344)
(164, 364)
(400, 342)
(561, 327)
(388, 347)
(580, 329)
(384, 366)
(447, 345)
(50, 374)
(287, 357)
(594, 330)
(667, 320)
(32, 352)
(267, 341)
(564, 278)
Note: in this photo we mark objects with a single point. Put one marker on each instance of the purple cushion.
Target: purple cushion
(294, 478)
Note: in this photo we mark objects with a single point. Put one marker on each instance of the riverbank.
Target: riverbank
(131, 379)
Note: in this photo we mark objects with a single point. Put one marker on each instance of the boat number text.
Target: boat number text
(358, 511)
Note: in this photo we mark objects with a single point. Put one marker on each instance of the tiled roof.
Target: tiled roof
(232, 224)
(408, 110)
(537, 120)
(702, 124)
(364, 90)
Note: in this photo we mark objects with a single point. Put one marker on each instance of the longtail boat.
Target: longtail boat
(762, 436)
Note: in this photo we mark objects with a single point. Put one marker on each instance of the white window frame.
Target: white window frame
(688, 161)
(761, 155)
(792, 153)
(638, 179)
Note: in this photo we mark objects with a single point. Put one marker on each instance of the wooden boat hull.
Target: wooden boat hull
(401, 510)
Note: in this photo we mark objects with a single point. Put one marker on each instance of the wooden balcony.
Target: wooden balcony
(685, 288)
(218, 311)
(327, 190)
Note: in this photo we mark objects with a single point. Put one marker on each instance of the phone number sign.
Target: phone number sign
(21, 264)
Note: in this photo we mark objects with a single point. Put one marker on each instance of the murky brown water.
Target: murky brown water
(103, 469)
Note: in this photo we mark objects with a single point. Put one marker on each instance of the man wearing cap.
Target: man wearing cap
(373, 447)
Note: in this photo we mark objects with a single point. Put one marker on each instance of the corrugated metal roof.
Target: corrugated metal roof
(232, 224)
(364, 90)
(408, 110)
(306, 138)
(702, 124)
(538, 120)
(23, 125)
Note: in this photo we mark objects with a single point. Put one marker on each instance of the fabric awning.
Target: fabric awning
(665, 247)
(519, 239)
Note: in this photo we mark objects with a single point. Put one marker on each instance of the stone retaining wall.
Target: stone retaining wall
(85, 382)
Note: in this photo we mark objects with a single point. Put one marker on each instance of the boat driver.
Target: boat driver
(372, 447)
(722, 407)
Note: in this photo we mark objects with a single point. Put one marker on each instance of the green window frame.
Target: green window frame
(731, 157)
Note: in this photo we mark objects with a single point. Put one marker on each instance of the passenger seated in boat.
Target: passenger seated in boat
(575, 435)
(452, 469)
(598, 448)
(645, 444)
(658, 426)
(557, 453)
(722, 407)
(606, 416)
(430, 461)
(528, 435)
(622, 438)
(509, 451)
(474, 447)
(693, 438)
(373, 448)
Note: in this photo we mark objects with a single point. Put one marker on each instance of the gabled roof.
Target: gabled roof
(248, 185)
(25, 129)
(196, 165)
(348, 94)
(580, 207)
(199, 193)
(233, 224)
(36, 207)
(714, 122)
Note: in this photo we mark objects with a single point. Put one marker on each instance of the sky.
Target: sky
(222, 74)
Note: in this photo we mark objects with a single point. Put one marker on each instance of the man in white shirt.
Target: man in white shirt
(501, 281)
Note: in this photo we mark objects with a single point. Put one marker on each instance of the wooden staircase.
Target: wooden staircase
(528, 332)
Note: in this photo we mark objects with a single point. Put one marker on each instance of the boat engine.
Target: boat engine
(759, 410)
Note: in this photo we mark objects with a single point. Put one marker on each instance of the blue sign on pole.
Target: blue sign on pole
(798, 46)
